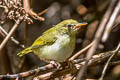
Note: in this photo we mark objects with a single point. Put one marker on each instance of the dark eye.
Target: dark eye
(70, 25)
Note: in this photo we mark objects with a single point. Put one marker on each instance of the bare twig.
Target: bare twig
(115, 63)
(10, 33)
(81, 51)
(26, 5)
(95, 60)
(44, 11)
(28, 73)
(96, 39)
(12, 38)
(107, 63)
(44, 76)
(35, 16)
(17, 78)
(2, 32)
(14, 9)
(111, 22)
(116, 26)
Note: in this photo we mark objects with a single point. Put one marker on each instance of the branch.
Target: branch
(81, 51)
(107, 63)
(97, 37)
(4, 34)
(111, 22)
(26, 5)
(95, 60)
(28, 73)
(10, 33)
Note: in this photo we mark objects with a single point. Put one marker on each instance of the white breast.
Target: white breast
(59, 51)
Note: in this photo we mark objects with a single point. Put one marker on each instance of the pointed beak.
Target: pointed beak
(79, 25)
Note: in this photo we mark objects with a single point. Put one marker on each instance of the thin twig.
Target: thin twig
(107, 63)
(41, 13)
(35, 16)
(26, 5)
(81, 51)
(115, 63)
(111, 22)
(17, 78)
(28, 73)
(10, 33)
(12, 38)
(95, 60)
(1, 32)
(116, 26)
(96, 39)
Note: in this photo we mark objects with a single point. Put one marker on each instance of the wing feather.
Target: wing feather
(47, 38)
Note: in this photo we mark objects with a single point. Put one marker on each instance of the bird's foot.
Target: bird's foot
(67, 65)
(56, 64)
(70, 64)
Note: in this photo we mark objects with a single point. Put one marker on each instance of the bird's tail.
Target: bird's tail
(25, 51)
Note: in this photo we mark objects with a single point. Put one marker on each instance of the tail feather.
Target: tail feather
(25, 51)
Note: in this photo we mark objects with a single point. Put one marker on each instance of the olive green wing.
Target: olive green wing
(47, 38)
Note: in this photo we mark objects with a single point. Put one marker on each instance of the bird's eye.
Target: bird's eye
(70, 25)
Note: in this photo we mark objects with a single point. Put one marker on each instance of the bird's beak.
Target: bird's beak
(79, 25)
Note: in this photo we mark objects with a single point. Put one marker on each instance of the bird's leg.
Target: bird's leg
(26, 5)
(63, 65)
(70, 64)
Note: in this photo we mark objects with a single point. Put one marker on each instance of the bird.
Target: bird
(57, 43)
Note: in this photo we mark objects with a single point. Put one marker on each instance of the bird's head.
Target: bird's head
(72, 24)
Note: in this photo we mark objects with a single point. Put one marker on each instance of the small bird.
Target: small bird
(57, 43)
